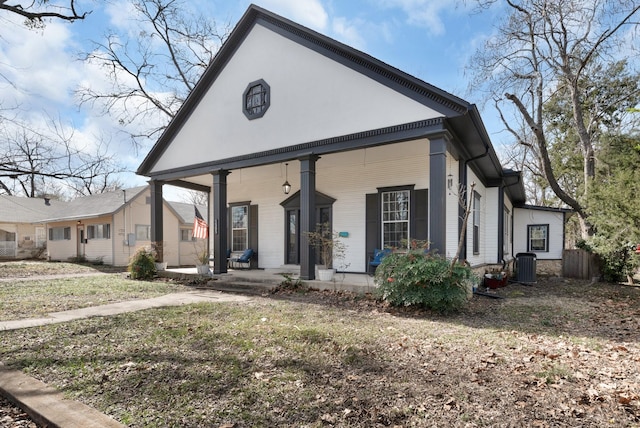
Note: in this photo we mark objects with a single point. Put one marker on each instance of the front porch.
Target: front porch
(263, 280)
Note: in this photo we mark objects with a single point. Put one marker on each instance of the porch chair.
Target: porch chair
(378, 255)
(245, 258)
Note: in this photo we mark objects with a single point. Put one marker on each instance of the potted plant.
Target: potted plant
(202, 262)
(330, 248)
(496, 278)
(158, 250)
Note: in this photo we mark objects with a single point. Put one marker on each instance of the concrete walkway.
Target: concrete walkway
(175, 299)
(47, 406)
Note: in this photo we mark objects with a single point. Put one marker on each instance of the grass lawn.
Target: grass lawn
(559, 353)
(33, 298)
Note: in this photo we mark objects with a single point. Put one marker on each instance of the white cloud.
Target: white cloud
(347, 32)
(426, 13)
(37, 63)
(310, 13)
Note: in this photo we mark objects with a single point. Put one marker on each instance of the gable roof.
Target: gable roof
(185, 211)
(402, 83)
(95, 205)
(18, 209)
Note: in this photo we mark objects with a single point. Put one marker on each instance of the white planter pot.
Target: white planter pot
(161, 266)
(326, 274)
(202, 269)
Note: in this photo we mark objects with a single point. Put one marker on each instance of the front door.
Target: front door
(292, 223)
(323, 216)
(81, 242)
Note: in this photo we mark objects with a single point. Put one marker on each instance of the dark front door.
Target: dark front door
(293, 237)
(323, 215)
(292, 223)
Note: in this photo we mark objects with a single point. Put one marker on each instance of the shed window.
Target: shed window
(538, 237)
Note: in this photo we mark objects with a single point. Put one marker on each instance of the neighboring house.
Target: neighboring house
(21, 237)
(110, 227)
(377, 153)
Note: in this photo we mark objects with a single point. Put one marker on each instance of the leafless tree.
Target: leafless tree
(36, 11)
(31, 162)
(544, 46)
(152, 74)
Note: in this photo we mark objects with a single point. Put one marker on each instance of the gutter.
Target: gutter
(462, 178)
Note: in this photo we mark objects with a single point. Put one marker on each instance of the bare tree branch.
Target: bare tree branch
(39, 10)
(152, 75)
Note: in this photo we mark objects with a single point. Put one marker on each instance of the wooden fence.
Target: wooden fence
(579, 264)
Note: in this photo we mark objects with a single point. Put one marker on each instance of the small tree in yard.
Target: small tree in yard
(420, 278)
(142, 265)
(423, 279)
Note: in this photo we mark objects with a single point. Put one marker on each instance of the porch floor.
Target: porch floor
(267, 279)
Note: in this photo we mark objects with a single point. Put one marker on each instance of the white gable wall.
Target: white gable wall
(312, 97)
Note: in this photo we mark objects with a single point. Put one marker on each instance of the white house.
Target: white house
(377, 153)
(112, 226)
(21, 235)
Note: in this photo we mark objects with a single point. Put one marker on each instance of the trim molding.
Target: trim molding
(376, 137)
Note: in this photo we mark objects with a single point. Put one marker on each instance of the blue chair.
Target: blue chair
(244, 259)
(378, 255)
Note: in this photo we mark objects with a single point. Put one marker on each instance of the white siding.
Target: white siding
(525, 217)
(453, 205)
(137, 211)
(63, 249)
(99, 249)
(311, 95)
(490, 219)
(481, 257)
(509, 244)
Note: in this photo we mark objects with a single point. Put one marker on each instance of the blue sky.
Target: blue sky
(430, 39)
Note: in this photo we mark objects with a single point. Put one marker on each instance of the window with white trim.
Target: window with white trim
(143, 232)
(538, 238)
(239, 227)
(99, 231)
(506, 227)
(186, 234)
(395, 219)
(476, 223)
(59, 233)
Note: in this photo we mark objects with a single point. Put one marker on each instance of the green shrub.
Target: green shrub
(422, 279)
(142, 265)
(617, 259)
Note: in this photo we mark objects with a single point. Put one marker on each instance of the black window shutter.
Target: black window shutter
(421, 215)
(372, 225)
(253, 233)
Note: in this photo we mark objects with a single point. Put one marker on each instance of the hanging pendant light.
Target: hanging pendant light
(286, 187)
